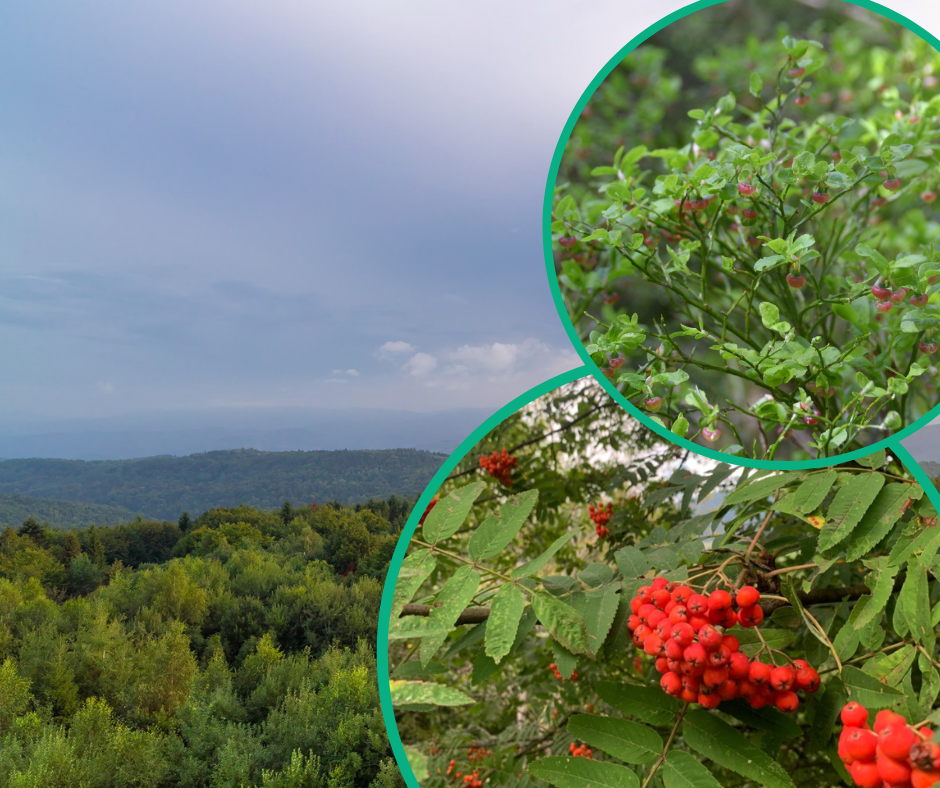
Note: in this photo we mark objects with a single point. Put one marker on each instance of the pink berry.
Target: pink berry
(927, 347)
(928, 197)
(801, 101)
(892, 184)
(653, 403)
(820, 197)
(796, 280)
(884, 306)
(920, 300)
(711, 435)
(566, 241)
(749, 213)
(746, 189)
(899, 295)
(880, 292)
(796, 72)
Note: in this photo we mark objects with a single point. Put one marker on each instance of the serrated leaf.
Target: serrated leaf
(811, 492)
(883, 513)
(827, 712)
(767, 718)
(916, 601)
(775, 638)
(848, 507)
(410, 692)
(714, 738)
(506, 611)
(761, 488)
(627, 741)
(599, 610)
(415, 569)
(536, 564)
(562, 622)
(649, 704)
(483, 535)
(595, 575)
(681, 770)
(881, 582)
(484, 666)
(569, 772)
(448, 515)
(868, 691)
(565, 661)
(452, 599)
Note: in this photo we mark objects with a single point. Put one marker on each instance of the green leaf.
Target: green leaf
(565, 661)
(512, 516)
(881, 581)
(761, 488)
(418, 762)
(599, 611)
(452, 599)
(448, 515)
(810, 493)
(756, 84)
(714, 738)
(649, 704)
(595, 575)
(410, 692)
(775, 638)
(415, 569)
(484, 666)
(848, 507)
(505, 613)
(875, 460)
(569, 772)
(827, 713)
(680, 426)
(681, 770)
(915, 597)
(483, 535)
(627, 741)
(867, 690)
(562, 621)
(883, 513)
(536, 564)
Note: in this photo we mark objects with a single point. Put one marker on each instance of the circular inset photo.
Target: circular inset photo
(583, 603)
(743, 231)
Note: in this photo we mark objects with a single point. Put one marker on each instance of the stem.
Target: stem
(659, 762)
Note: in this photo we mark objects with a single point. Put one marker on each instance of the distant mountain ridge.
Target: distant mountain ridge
(924, 445)
(162, 487)
(14, 509)
(932, 469)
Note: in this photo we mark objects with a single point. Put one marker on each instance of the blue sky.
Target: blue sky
(332, 204)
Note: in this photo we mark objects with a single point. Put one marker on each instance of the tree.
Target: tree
(516, 645)
(185, 522)
(287, 513)
(31, 529)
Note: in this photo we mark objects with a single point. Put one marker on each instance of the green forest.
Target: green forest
(14, 509)
(233, 649)
(162, 487)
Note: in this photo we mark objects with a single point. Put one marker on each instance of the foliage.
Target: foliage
(14, 509)
(240, 653)
(811, 157)
(498, 594)
(163, 487)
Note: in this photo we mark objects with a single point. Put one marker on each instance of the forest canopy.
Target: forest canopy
(231, 649)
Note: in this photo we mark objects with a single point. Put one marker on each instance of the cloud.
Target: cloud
(420, 364)
(495, 357)
(353, 373)
(396, 347)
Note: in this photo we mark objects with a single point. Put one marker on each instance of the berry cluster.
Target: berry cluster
(601, 516)
(471, 780)
(477, 753)
(580, 750)
(554, 668)
(698, 662)
(886, 299)
(889, 754)
(499, 465)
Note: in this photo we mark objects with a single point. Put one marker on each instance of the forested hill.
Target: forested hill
(162, 487)
(932, 469)
(14, 509)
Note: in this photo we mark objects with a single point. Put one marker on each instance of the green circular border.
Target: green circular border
(391, 578)
(663, 432)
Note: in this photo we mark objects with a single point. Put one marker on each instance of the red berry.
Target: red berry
(880, 292)
(750, 616)
(746, 189)
(671, 684)
(695, 655)
(807, 679)
(796, 72)
(697, 604)
(697, 622)
(920, 300)
(782, 678)
(748, 213)
(928, 197)
(796, 281)
(892, 184)
(731, 643)
(887, 719)
(820, 197)
(738, 666)
(747, 596)
(861, 744)
(757, 701)
(927, 347)
(682, 594)
(653, 404)
(801, 101)
(787, 702)
(661, 598)
(854, 714)
(758, 673)
(884, 306)
(683, 634)
(892, 771)
(895, 740)
(924, 779)
(720, 657)
(679, 614)
(865, 775)
(728, 690)
(709, 637)
(714, 677)
(709, 701)
(566, 241)
(673, 649)
(719, 600)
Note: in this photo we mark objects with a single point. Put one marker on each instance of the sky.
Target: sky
(286, 204)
